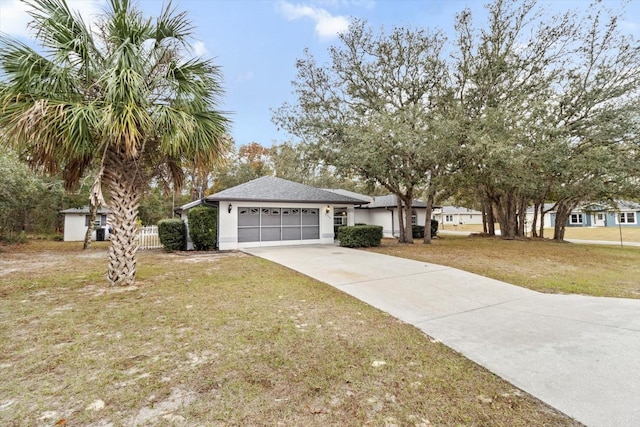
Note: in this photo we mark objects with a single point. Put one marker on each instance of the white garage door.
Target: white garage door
(257, 224)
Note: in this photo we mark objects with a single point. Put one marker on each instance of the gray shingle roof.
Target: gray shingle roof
(272, 189)
(458, 210)
(85, 210)
(353, 194)
(391, 201)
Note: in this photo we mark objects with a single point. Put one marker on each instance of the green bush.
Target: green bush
(203, 227)
(360, 236)
(434, 227)
(418, 230)
(172, 233)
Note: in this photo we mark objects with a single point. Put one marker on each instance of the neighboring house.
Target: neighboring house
(456, 215)
(76, 221)
(547, 217)
(598, 215)
(271, 211)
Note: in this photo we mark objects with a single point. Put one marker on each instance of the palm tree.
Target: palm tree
(120, 99)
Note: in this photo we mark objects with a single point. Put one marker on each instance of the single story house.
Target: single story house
(456, 215)
(600, 215)
(76, 221)
(271, 211)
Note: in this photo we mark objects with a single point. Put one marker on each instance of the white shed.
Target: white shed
(76, 221)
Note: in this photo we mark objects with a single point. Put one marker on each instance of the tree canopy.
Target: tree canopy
(529, 108)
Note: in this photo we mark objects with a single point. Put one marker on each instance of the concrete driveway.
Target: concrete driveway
(579, 354)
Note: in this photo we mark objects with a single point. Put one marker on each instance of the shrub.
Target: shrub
(172, 233)
(434, 227)
(203, 227)
(360, 236)
(418, 230)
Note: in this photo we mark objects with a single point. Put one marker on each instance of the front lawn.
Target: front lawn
(544, 266)
(223, 339)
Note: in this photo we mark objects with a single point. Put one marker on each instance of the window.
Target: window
(627, 218)
(100, 221)
(414, 217)
(448, 218)
(575, 219)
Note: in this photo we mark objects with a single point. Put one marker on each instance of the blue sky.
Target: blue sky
(256, 42)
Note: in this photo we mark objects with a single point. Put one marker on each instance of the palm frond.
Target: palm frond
(172, 24)
(63, 33)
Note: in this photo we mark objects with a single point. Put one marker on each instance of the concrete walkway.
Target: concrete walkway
(579, 354)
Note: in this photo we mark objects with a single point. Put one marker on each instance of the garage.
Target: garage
(259, 224)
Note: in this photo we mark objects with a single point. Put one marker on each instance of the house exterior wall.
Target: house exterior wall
(75, 228)
(548, 220)
(228, 224)
(458, 218)
(387, 218)
(611, 219)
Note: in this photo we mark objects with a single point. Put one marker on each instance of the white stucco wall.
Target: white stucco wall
(386, 219)
(75, 230)
(228, 225)
(457, 218)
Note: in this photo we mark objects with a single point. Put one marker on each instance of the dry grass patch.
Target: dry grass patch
(544, 266)
(612, 234)
(223, 340)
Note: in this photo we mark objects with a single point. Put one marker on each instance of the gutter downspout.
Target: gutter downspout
(393, 223)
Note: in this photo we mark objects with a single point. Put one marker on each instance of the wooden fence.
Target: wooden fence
(148, 237)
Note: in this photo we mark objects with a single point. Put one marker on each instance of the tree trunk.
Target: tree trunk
(534, 223)
(488, 212)
(563, 210)
(506, 207)
(522, 217)
(401, 229)
(93, 211)
(408, 225)
(485, 217)
(121, 177)
(431, 194)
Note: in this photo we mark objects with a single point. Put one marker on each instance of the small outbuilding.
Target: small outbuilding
(76, 221)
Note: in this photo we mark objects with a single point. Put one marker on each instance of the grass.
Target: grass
(223, 340)
(544, 266)
(612, 234)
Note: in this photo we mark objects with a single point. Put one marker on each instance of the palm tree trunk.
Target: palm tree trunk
(93, 211)
(121, 177)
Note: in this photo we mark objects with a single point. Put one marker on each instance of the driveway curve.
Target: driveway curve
(578, 354)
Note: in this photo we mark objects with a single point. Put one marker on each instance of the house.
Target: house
(383, 211)
(600, 215)
(547, 216)
(76, 221)
(456, 215)
(271, 211)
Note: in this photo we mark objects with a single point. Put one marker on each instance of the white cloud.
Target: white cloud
(14, 18)
(245, 76)
(327, 26)
(199, 49)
